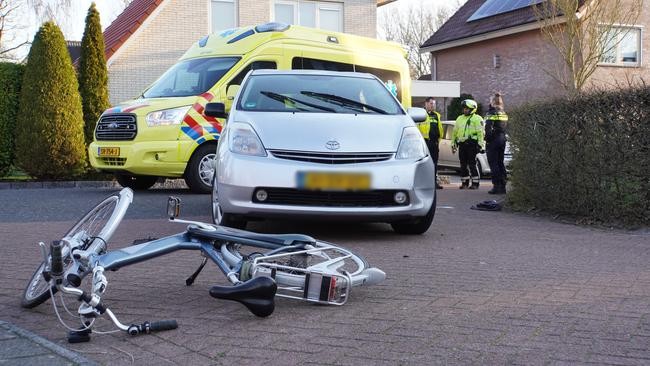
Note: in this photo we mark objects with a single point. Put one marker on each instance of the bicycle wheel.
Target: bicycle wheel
(97, 224)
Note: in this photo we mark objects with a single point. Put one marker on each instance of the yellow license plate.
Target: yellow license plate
(108, 151)
(333, 181)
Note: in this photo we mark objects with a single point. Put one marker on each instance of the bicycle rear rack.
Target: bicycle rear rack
(315, 284)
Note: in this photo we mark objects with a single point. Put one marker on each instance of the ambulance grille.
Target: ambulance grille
(116, 127)
(329, 158)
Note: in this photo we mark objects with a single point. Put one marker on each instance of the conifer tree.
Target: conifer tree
(93, 74)
(49, 139)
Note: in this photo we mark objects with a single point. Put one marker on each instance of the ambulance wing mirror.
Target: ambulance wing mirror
(417, 114)
(217, 110)
(231, 92)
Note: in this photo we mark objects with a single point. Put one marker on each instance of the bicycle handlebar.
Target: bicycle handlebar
(57, 259)
(148, 327)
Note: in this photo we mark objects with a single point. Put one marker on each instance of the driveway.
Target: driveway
(477, 288)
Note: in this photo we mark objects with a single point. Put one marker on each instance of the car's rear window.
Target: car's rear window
(317, 94)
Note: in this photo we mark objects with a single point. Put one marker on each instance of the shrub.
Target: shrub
(586, 156)
(93, 74)
(11, 76)
(49, 138)
(454, 108)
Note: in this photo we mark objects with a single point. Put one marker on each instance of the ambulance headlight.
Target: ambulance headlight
(167, 117)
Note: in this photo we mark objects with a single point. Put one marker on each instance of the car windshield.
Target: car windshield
(317, 94)
(190, 77)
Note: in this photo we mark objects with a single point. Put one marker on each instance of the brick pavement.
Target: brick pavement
(478, 288)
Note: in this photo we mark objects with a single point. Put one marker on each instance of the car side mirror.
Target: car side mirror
(417, 114)
(217, 110)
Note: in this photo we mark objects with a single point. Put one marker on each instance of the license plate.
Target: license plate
(108, 151)
(333, 181)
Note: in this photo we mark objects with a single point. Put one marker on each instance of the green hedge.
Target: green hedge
(587, 157)
(11, 77)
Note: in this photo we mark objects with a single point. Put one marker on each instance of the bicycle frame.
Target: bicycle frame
(256, 279)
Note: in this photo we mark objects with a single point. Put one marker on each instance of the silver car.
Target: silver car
(321, 144)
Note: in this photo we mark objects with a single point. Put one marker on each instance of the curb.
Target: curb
(109, 184)
(53, 347)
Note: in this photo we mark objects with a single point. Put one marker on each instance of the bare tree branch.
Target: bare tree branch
(584, 36)
(411, 27)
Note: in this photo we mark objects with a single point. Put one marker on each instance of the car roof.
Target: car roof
(313, 72)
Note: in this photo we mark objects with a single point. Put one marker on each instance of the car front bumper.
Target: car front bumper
(239, 177)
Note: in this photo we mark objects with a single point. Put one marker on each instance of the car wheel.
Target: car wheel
(136, 182)
(200, 169)
(221, 218)
(417, 226)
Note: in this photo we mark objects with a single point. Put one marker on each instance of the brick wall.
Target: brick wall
(179, 23)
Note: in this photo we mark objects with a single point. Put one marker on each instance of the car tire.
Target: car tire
(200, 169)
(222, 218)
(417, 226)
(136, 182)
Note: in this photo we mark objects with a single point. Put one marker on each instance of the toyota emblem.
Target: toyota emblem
(332, 145)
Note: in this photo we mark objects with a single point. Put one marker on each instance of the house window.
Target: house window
(622, 46)
(317, 14)
(224, 14)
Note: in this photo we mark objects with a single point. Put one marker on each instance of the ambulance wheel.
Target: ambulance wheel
(200, 169)
(136, 182)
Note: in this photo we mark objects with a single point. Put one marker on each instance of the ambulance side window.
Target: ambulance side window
(255, 65)
(303, 63)
(384, 76)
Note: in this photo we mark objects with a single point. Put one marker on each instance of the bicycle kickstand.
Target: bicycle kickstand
(190, 280)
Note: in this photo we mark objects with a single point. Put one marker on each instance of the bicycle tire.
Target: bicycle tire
(99, 222)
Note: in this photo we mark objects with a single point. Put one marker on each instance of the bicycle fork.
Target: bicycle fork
(91, 306)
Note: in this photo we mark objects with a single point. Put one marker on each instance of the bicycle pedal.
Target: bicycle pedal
(79, 336)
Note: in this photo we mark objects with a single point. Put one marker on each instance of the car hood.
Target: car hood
(313, 131)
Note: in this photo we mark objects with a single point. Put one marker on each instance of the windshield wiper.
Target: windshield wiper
(284, 98)
(345, 102)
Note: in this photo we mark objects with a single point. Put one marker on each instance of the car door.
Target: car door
(446, 158)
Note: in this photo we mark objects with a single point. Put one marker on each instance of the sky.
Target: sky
(73, 24)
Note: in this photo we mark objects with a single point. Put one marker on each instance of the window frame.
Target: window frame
(326, 5)
(235, 14)
(636, 64)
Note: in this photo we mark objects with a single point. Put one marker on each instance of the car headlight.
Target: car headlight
(167, 117)
(242, 139)
(412, 145)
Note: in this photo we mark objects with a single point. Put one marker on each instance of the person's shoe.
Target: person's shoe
(463, 186)
(474, 186)
(494, 190)
(438, 186)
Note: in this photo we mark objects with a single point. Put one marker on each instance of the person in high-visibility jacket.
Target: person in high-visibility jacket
(468, 140)
(431, 130)
(496, 122)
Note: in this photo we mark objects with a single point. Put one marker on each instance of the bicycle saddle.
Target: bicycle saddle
(227, 233)
(256, 294)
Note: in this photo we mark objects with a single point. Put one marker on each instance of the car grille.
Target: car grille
(116, 127)
(329, 158)
(113, 161)
(290, 196)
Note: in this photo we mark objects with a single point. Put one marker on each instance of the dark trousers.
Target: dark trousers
(434, 151)
(467, 155)
(495, 150)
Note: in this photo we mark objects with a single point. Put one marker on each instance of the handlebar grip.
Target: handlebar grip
(163, 325)
(57, 258)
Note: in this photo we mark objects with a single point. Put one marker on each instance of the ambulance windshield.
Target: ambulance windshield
(190, 77)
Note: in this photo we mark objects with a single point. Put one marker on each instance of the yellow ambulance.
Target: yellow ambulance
(164, 132)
